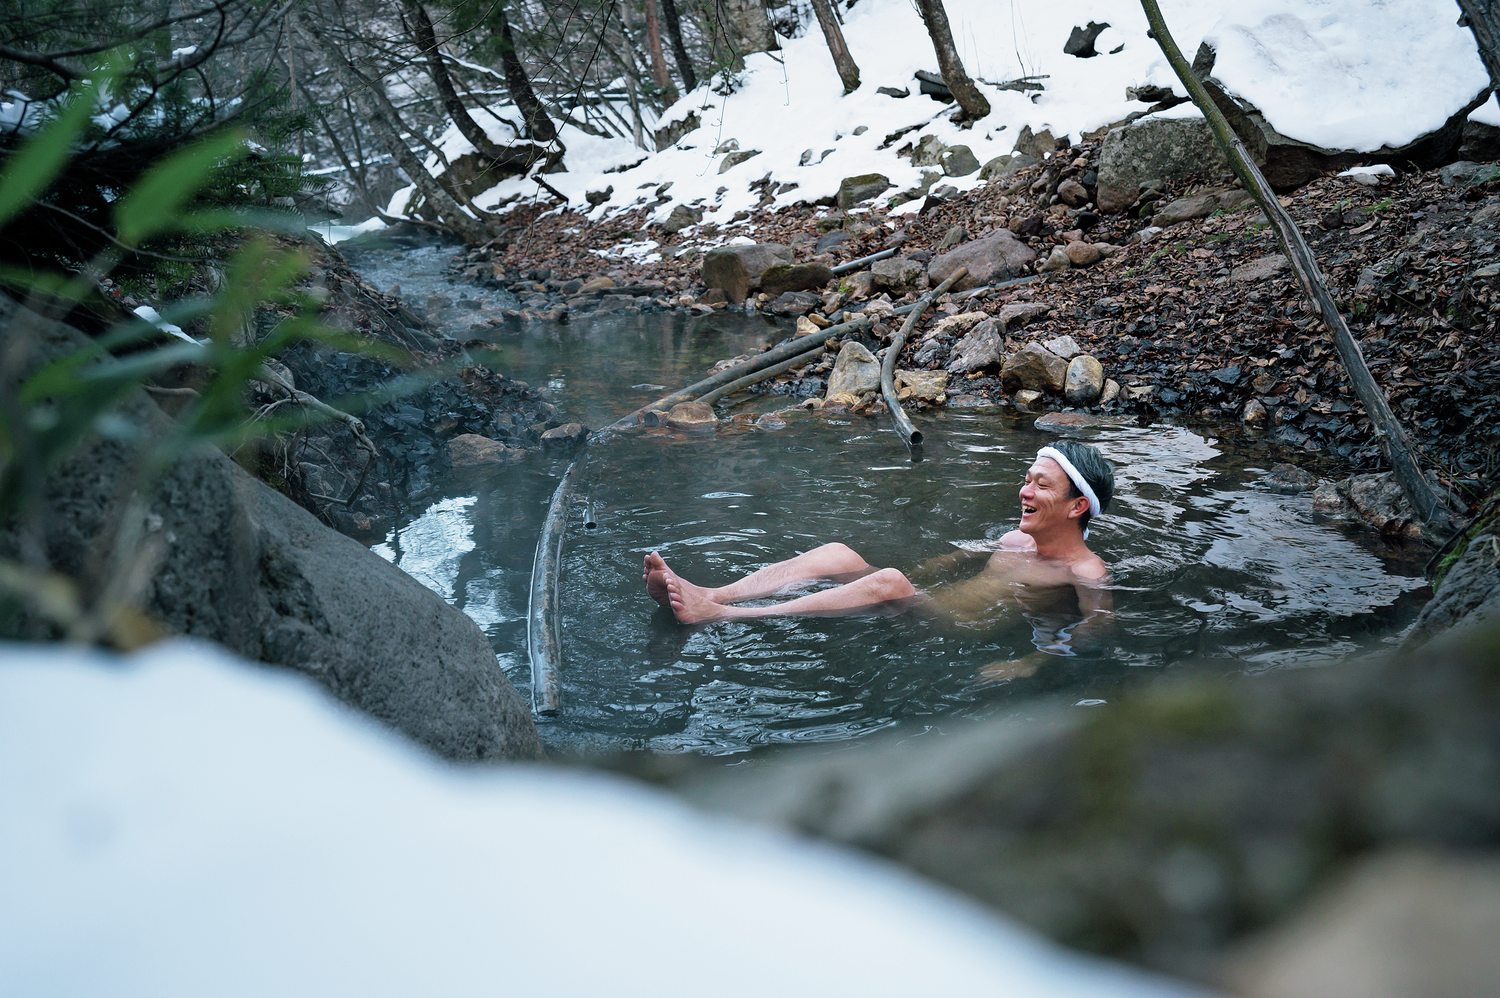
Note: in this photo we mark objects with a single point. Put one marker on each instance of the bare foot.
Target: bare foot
(655, 578)
(689, 603)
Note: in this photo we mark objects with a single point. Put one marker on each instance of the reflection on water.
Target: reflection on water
(1208, 569)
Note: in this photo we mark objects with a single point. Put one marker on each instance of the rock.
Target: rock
(1401, 922)
(1035, 367)
(1019, 313)
(1063, 422)
(893, 92)
(929, 152)
(1064, 346)
(1378, 500)
(770, 421)
(596, 285)
(998, 256)
(861, 285)
(1036, 145)
(1027, 397)
(1287, 163)
(1144, 236)
(829, 240)
(855, 372)
(735, 270)
(896, 273)
(1110, 393)
(1185, 209)
(792, 303)
(1056, 260)
(1254, 413)
(958, 161)
(469, 449)
(565, 437)
(1073, 194)
(1187, 815)
(981, 347)
(734, 159)
(597, 198)
(853, 190)
(246, 567)
(1155, 148)
(782, 277)
(671, 133)
(692, 416)
(926, 386)
(953, 237)
(1082, 254)
(1288, 479)
(1081, 40)
(1261, 269)
(1084, 381)
(1002, 168)
(1468, 174)
(805, 326)
(931, 352)
(681, 217)
(1467, 602)
(960, 323)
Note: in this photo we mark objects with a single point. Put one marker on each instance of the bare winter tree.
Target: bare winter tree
(658, 61)
(842, 60)
(679, 50)
(970, 101)
(1483, 18)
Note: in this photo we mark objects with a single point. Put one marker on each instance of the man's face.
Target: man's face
(1044, 497)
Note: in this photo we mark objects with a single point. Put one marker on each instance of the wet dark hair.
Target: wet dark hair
(1094, 469)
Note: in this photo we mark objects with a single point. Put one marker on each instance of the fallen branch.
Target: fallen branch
(910, 435)
(1394, 444)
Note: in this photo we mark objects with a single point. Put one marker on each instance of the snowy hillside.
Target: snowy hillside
(1351, 74)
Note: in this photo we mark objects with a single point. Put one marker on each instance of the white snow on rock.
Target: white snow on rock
(1349, 74)
(180, 823)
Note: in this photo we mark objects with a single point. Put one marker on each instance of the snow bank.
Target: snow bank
(181, 823)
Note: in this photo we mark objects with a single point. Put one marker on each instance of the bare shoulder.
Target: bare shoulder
(1091, 568)
(1017, 541)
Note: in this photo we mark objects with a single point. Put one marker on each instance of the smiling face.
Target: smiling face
(1045, 502)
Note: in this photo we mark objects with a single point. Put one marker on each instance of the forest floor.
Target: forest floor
(1413, 263)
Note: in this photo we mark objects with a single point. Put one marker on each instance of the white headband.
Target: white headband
(1077, 479)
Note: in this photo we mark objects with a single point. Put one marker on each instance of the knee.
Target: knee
(841, 558)
(890, 583)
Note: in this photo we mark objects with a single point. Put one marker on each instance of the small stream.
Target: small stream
(1212, 571)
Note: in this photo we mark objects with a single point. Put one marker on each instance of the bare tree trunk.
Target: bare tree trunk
(970, 100)
(842, 60)
(1389, 433)
(388, 129)
(658, 61)
(1483, 19)
(538, 125)
(679, 50)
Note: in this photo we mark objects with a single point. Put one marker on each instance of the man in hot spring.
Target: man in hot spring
(1043, 568)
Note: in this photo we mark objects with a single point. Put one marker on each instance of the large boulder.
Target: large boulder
(1287, 163)
(1467, 601)
(855, 372)
(735, 270)
(1034, 367)
(780, 278)
(853, 190)
(243, 565)
(980, 347)
(999, 256)
(1154, 149)
(896, 273)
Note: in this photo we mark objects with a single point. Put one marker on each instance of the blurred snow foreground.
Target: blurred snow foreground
(183, 823)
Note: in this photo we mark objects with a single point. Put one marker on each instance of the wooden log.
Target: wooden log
(1391, 437)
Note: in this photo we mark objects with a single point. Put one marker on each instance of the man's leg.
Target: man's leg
(828, 561)
(887, 585)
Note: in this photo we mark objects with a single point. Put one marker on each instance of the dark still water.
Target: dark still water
(1210, 570)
